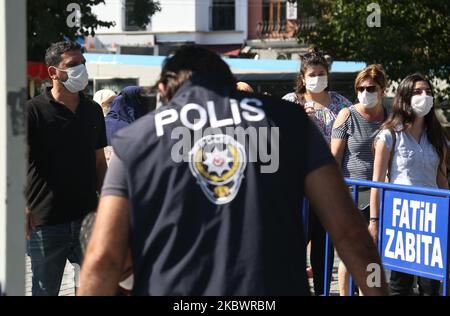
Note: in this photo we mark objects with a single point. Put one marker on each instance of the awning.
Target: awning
(37, 70)
(79, 40)
(227, 50)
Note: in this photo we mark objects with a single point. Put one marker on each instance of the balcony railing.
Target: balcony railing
(283, 29)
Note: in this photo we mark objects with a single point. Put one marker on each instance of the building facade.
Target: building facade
(265, 28)
(221, 24)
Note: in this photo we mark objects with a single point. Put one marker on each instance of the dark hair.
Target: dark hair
(189, 60)
(402, 113)
(313, 57)
(54, 52)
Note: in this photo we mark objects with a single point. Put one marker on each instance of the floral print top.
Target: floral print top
(324, 118)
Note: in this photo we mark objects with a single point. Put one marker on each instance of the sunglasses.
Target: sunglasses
(420, 91)
(370, 89)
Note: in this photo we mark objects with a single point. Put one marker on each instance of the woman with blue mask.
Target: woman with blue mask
(411, 149)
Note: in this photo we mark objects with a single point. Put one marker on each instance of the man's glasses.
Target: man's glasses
(420, 91)
(370, 89)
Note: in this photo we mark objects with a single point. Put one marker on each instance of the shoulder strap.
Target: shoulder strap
(391, 156)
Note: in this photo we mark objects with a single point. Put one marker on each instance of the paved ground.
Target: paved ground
(68, 288)
(334, 286)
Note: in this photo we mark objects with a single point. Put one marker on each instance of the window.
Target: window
(274, 16)
(130, 23)
(274, 10)
(223, 15)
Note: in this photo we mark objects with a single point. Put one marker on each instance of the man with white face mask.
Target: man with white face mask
(66, 137)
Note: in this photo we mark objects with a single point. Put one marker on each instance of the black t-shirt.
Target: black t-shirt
(61, 180)
(218, 223)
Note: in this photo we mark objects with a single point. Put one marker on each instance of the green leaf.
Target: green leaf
(47, 22)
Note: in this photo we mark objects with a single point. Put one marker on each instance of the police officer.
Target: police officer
(209, 212)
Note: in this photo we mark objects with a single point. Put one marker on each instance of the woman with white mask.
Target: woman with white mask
(351, 142)
(411, 148)
(312, 92)
(322, 106)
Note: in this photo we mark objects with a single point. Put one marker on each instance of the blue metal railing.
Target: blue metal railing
(355, 184)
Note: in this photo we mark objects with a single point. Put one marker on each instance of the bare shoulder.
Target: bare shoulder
(342, 117)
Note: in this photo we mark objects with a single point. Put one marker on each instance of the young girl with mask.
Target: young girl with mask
(352, 138)
(417, 143)
(322, 106)
(313, 94)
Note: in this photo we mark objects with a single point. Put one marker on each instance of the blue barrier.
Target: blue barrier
(409, 218)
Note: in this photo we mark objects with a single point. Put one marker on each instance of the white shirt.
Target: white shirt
(413, 163)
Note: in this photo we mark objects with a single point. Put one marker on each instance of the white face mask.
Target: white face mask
(78, 78)
(316, 84)
(369, 100)
(421, 105)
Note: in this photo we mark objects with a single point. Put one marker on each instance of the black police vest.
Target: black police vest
(211, 215)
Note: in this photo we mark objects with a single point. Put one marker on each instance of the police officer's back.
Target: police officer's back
(216, 211)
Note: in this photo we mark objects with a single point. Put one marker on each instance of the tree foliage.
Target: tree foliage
(47, 21)
(414, 36)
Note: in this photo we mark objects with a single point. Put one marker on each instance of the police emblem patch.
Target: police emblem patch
(218, 163)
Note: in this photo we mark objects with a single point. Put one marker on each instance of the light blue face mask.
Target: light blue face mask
(78, 78)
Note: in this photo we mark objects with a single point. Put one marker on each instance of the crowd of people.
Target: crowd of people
(216, 225)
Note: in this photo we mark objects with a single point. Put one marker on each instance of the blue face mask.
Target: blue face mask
(78, 78)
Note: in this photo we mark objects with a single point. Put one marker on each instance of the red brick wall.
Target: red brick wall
(255, 15)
